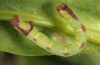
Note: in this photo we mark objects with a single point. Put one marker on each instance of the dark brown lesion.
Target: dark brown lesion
(15, 23)
(68, 10)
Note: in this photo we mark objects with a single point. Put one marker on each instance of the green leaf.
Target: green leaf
(43, 13)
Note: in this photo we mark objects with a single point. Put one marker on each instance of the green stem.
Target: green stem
(8, 15)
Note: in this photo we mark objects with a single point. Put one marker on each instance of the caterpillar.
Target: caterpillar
(31, 32)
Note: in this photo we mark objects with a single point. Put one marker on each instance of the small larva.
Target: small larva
(31, 32)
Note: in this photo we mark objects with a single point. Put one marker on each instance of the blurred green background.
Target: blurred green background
(79, 59)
